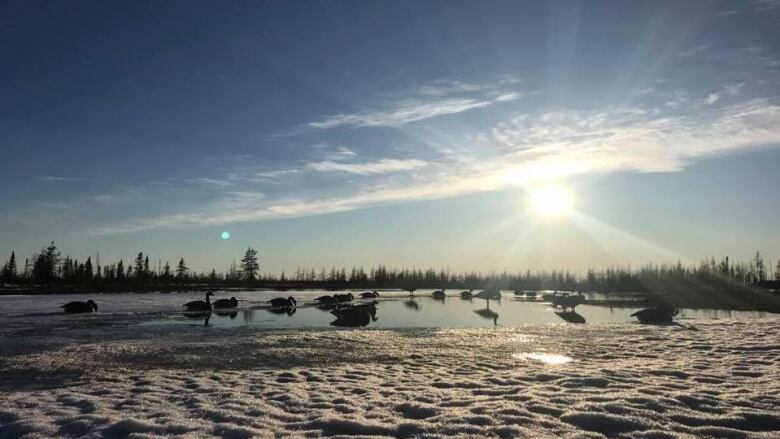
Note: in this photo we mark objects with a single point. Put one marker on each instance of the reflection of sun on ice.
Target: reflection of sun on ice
(552, 201)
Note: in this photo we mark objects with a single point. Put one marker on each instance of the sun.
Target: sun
(551, 201)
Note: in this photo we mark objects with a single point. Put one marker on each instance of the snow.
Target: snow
(706, 379)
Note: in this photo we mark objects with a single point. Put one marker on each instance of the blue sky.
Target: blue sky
(406, 133)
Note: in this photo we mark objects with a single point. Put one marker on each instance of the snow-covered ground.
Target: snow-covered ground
(715, 379)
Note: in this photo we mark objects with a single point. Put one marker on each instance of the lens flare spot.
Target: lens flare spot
(225, 235)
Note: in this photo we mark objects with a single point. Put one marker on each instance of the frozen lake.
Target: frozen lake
(394, 310)
(141, 368)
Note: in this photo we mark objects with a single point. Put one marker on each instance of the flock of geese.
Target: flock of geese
(350, 313)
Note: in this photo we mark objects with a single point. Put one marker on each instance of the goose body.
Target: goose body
(200, 305)
(281, 302)
(80, 307)
(567, 301)
(489, 294)
(369, 295)
(467, 295)
(343, 298)
(439, 294)
(226, 303)
(326, 300)
(655, 315)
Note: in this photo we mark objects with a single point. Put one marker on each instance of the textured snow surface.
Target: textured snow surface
(721, 379)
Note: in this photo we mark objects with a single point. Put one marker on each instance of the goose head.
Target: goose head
(93, 305)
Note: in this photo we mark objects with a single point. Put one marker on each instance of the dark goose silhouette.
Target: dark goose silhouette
(439, 295)
(80, 307)
(226, 303)
(655, 315)
(566, 301)
(466, 295)
(369, 295)
(200, 305)
(343, 298)
(571, 316)
(325, 300)
(488, 295)
(281, 302)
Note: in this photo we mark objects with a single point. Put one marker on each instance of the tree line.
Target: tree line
(48, 268)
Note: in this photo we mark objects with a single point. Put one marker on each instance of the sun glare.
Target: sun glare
(552, 201)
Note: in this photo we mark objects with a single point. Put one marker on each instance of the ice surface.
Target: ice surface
(720, 379)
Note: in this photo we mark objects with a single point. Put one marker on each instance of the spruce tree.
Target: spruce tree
(181, 269)
(9, 269)
(249, 264)
(139, 266)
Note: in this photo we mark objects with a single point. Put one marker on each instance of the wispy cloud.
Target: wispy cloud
(766, 5)
(691, 51)
(405, 112)
(207, 181)
(275, 174)
(532, 147)
(56, 178)
(430, 101)
(382, 166)
(728, 89)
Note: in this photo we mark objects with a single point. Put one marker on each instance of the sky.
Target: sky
(404, 133)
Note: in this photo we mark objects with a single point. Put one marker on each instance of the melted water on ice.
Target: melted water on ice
(393, 310)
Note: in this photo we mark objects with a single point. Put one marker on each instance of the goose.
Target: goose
(341, 298)
(369, 295)
(226, 303)
(466, 295)
(488, 295)
(80, 307)
(281, 302)
(439, 294)
(655, 315)
(199, 305)
(326, 300)
(530, 294)
(567, 301)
